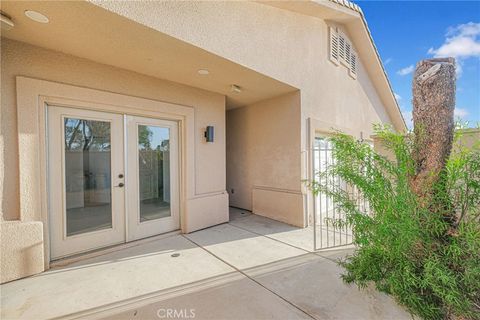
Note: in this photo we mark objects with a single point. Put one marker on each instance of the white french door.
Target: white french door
(152, 157)
(112, 178)
(86, 168)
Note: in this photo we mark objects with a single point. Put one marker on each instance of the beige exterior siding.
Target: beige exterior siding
(263, 156)
(20, 59)
(291, 92)
(287, 46)
(469, 139)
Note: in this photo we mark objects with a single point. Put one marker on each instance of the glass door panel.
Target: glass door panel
(152, 159)
(154, 172)
(87, 175)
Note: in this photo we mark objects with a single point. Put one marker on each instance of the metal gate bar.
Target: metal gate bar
(327, 233)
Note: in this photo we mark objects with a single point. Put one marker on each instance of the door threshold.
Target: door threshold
(61, 262)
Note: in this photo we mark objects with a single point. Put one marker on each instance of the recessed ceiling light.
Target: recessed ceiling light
(36, 16)
(203, 72)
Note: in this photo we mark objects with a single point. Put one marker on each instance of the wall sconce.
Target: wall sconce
(209, 134)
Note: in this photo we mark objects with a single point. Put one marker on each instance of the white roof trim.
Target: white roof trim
(348, 4)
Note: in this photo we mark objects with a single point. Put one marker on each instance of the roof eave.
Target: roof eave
(402, 126)
(351, 15)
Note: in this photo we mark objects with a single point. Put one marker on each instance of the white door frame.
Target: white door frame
(125, 190)
(33, 97)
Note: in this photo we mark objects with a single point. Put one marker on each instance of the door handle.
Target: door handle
(120, 185)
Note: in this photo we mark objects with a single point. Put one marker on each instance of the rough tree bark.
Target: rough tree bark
(433, 106)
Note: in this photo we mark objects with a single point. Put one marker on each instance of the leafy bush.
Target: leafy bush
(428, 263)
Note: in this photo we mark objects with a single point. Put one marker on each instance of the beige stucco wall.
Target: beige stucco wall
(19, 59)
(21, 249)
(293, 50)
(263, 157)
(284, 45)
(207, 202)
(287, 46)
(468, 138)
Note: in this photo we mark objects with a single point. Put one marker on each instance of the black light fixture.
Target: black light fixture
(209, 134)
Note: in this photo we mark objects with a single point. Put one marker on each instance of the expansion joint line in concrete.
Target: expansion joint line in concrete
(252, 279)
(285, 243)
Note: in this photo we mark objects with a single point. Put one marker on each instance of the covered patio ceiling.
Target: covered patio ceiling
(87, 31)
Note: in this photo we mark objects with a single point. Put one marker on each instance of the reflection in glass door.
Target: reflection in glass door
(154, 172)
(87, 175)
(153, 156)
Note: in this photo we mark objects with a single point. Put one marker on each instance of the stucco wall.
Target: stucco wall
(284, 45)
(20, 59)
(263, 157)
(469, 139)
(287, 46)
(21, 249)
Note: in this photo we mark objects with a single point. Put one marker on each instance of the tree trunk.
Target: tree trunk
(433, 106)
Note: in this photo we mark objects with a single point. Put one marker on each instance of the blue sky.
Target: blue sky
(159, 134)
(408, 31)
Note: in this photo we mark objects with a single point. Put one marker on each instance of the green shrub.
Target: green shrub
(429, 264)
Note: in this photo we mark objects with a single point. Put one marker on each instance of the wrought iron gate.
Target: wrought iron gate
(328, 233)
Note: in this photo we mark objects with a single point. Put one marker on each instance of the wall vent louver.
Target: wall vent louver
(341, 47)
(342, 51)
(353, 65)
(348, 52)
(334, 45)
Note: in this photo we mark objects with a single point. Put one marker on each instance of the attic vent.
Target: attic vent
(341, 47)
(353, 65)
(348, 50)
(342, 51)
(333, 45)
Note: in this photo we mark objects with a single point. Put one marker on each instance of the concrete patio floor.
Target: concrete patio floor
(250, 268)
